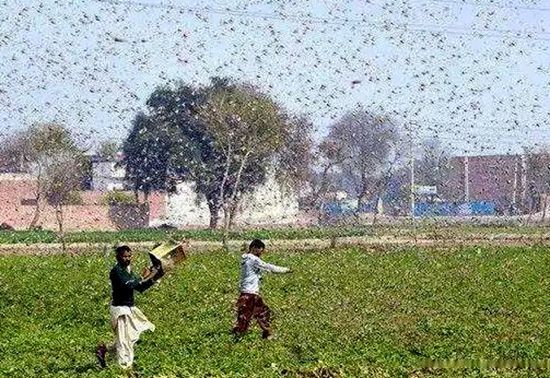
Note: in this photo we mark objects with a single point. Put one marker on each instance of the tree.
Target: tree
(146, 152)
(224, 137)
(42, 146)
(328, 156)
(61, 177)
(365, 149)
(246, 127)
(170, 144)
(433, 167)
(108, 150)
(192, 154)
(295, 161)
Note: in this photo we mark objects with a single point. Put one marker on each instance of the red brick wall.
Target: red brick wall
(157, 205)
(490, 178)
(92, 215)
(11, 210)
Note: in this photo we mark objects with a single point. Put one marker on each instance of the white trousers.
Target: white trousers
(127, 323)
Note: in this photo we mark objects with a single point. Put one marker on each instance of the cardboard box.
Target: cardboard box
(166, 255)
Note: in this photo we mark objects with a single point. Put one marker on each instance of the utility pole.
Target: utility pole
(515, 186)
(466, 179)
(412, 171)
(523, 181)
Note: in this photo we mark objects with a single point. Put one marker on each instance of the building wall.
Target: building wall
(184, 209)
(107, 176)
(268, 205)
(15, 188)
(17, 208)
(496, 178)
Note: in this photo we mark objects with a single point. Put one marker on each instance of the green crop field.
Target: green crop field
(420, 228)
(345, 312)
(143, 235)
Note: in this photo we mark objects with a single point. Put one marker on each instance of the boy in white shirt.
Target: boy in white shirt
(250, 304)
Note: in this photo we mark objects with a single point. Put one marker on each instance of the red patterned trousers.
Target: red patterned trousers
(251, 306)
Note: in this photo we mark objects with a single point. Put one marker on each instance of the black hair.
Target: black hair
(256, 243)
(121, 249)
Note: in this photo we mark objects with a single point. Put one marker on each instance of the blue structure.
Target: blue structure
(424, 209)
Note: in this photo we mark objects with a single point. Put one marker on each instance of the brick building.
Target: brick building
(501, 179)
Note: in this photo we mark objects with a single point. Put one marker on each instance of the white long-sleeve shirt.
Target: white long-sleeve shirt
(251, 272)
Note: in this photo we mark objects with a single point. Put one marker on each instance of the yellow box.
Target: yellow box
(166, 255)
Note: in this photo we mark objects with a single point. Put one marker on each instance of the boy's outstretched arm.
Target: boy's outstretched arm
(272, 268)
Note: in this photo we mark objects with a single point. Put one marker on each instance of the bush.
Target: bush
(117, 197)
(74, 198)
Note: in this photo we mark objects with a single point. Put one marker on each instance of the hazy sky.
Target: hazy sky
(475, 73)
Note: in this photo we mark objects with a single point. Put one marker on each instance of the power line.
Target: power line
(475, 139)
(488, 128)
(472, 140)
(491, 5)
(423, 28)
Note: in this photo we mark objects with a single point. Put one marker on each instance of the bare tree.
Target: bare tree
(367, 151)
(38, 150)
(248, 128)
(538, 179)
(433, 166)
(328, 156)
(62, 176)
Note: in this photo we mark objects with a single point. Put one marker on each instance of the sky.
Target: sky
(474, 73)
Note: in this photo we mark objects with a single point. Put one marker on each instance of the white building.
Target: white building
(268, 205)
(106, 175)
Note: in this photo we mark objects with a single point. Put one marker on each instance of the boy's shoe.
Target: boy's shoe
(266, 335)
(100, 354)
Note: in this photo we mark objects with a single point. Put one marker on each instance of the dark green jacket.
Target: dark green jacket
(124, 283)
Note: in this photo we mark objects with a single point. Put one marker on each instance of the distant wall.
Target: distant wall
(267, 205)
(495, 178)
(17, 206)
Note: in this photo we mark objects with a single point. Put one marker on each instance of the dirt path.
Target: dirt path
(44, 249)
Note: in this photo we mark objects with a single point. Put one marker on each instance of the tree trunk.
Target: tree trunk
(323, 184)
(214, 215)
(233, 199)
(225, 237)
(544, 205)
(360, 200)
(375, 213)
(222, 200)
(364, 191)
(233, 213)
(36, 216)
(59, 218)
